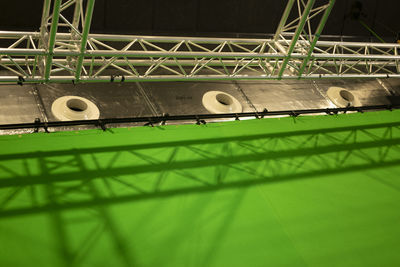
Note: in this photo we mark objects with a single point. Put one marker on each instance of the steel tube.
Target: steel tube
(297, 34)
(52, 39)
(84, 38)
(183, 55)
(182, 62)
(169, 39)
(284, 18)
(169, 78)
(320, 28)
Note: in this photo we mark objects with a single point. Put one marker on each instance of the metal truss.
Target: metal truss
(65, 51)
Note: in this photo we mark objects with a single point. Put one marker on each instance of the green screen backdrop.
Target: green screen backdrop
(306, 191)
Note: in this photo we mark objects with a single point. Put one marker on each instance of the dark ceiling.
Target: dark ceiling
(199, 17)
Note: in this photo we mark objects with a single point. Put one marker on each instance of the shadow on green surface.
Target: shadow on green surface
(286, 134)
(196, 166)
(93, 180)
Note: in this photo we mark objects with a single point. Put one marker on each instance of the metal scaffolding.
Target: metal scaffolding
(65, 51)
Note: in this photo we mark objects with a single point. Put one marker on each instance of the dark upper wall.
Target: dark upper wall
(205, 16)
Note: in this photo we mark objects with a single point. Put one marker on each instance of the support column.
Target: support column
(84, 38)
(303, 19)
(52, 39)
(320, 28)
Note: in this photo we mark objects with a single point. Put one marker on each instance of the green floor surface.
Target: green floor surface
(306, 191)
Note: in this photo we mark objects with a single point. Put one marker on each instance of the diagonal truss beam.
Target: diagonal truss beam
(315, 38)
(296, 36)
(304, 15)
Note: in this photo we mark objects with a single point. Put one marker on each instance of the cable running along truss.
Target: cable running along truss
(65, 51)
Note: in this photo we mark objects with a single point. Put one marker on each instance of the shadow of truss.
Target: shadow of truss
(109, 175)
(92, 181)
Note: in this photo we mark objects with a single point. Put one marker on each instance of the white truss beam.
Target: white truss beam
(65, 51)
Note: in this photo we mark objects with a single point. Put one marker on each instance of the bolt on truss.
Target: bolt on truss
(65, 51)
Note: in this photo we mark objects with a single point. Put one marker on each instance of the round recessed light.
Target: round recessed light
(342, 97)
(72, 108)
(221, 102)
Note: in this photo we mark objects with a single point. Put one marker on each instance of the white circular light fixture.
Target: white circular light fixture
(73, 108)
(342, 97)
(218, 102)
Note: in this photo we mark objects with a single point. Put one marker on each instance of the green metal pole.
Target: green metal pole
(43, 34)
(317, 35)
(297, 34)
(52, 39)
(371, 31)
(84, 38)
(75, 23)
